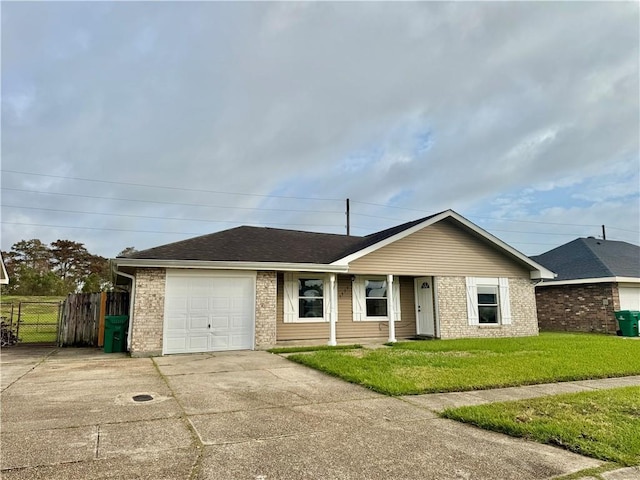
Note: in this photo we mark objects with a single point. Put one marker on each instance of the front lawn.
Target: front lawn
(604, 424)
(474, 364)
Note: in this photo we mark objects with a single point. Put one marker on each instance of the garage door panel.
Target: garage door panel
(220, 303)
(208, 313)
(198, 322)
(199, 303)
(177, 321)
(629, 298)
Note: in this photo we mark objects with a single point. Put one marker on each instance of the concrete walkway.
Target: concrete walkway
(71, 413)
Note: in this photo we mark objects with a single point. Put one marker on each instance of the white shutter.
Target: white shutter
(358, 296)
(396, 299)
(290, 298)
(472, 301)
(505, 302)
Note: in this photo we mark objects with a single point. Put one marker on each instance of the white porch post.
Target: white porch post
(333, 310)
(390, 309)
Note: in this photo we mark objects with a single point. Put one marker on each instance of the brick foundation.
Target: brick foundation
(578, 308)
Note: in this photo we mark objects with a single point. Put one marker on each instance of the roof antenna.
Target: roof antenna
(604, 234)
(348, 220)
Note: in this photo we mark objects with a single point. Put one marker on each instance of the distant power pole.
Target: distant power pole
(348, 219)
(604, 234)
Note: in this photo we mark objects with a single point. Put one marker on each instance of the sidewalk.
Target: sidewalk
(439, 401)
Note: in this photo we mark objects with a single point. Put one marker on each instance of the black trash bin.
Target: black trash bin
(115, 333)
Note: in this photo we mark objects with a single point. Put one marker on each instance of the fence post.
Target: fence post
(103, 311)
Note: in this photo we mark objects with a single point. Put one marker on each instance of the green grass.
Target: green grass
(602, 424)
(475, 364)
(312, 348)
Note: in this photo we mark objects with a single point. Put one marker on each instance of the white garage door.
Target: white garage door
(629, 298)
(206, 312)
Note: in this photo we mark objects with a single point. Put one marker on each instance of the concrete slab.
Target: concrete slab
(440, 401)
(630, 473)
(48, 447)
(434, 449)
(610, 382)
(141, 438)
(150, 466)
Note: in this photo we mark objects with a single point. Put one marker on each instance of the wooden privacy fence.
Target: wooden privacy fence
(82, 319)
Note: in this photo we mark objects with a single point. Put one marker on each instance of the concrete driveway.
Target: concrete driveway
(70, 413)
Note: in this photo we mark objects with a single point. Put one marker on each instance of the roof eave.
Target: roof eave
(229, 265)
(581, 281)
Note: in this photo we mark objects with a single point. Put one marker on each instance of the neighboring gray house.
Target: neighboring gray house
(248, 287)
(595, 278)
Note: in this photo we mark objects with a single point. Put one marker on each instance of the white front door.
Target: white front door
(426, 320)
(206, 311)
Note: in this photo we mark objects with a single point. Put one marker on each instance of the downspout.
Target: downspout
(131, 302)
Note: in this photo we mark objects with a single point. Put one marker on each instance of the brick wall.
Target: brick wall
(148, 312)
(452, 310)
(266, 311)
(578, 308)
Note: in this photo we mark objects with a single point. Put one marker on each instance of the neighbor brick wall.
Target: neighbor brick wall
(266, 310)
(578, 308)
(148, 312)
(452, 309)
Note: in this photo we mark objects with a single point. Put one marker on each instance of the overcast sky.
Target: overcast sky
(139, 124)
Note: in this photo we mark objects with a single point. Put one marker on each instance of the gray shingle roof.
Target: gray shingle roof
(592, 258)
(262, 244)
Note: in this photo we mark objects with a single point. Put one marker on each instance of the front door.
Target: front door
(426, 321)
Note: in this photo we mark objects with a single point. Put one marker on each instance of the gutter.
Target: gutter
(131, 302)
(226, 265)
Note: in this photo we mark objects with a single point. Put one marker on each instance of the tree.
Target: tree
(32, 253)
(69, 259)
(127, 251)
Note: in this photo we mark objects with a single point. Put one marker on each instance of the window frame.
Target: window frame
(291, 297)
(496, 305)
(297, 317)
(359, 299)
(503, 300)
(375, 278)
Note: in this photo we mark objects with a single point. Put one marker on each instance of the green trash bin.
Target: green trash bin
(115, 333)
(628, 321)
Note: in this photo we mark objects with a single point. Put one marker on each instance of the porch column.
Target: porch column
(332, 310)
(390, 309)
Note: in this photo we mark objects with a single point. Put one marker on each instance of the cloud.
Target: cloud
(426, 106)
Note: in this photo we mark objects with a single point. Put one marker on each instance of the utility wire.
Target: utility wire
(170, 203)
(163, 218)
(173, 188)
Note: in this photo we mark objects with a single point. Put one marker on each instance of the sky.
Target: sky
(136, 124)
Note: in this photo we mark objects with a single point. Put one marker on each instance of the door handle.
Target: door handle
(209, 326)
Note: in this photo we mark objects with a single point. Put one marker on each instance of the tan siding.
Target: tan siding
(345, 326)
(444, 248)
(296, 331)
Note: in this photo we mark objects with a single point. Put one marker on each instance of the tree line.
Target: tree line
(63, 267)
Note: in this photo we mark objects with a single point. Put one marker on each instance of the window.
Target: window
(371, 298)
(310, 298)
(488, 301)
(487, 304)
(376, 297)
(305, 298)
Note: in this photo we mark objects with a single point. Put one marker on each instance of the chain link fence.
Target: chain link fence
(30, 322)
